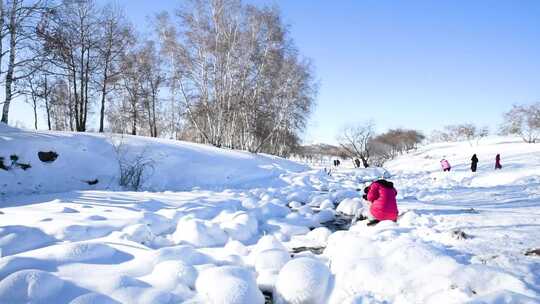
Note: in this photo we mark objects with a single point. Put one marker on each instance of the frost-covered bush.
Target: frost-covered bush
(134, 166)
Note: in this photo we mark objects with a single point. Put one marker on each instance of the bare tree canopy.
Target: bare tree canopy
(523, 120)
(355, 141)
(238, 76)
(360, 141)
(465, 131)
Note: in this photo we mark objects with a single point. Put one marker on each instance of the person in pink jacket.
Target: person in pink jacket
(445, 165)
(382, 196)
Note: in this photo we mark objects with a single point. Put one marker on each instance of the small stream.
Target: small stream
(340, 222)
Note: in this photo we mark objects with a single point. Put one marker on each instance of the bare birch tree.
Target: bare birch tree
(239, 77)
(116, 38)
(523, 120)
(18, 23)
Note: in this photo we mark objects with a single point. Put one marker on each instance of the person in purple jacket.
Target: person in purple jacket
(445, 165)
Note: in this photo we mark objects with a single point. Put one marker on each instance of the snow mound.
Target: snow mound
(239, 225)
(29, 286)
(319, 235)
(170, 274)
(303, 280)
(350, 206)
(268, 264)
(80, 252)
(185, 253)
(229, 285)
(139, 233)
(93, 298)
(157, 224)
(15, 239)
(199, 233)
(267, 242)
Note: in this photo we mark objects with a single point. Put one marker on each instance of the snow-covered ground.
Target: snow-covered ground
(239, 224)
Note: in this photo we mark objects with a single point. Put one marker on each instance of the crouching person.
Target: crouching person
(381, 196)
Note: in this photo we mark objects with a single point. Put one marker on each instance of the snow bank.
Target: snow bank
(84, 157)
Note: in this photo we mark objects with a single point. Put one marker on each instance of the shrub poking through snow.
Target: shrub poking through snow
(14, 163)
(134, 167)
(460, 235)
(132, 172)
(23, 166)
(2, 166)
(92, 182)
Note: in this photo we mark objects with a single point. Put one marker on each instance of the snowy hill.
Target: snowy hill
(173, 165)
(272, 227)
(521, 162)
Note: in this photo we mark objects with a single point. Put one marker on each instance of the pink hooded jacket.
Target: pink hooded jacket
(382, 195)
(445, 164)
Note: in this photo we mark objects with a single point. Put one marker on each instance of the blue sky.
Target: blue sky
(412, 64)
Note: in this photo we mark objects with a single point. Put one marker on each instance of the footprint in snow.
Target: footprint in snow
(69, 210)
(96, 218)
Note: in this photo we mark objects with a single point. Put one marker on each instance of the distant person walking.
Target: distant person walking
(445, 165)
(474, 163)
(498, 162)
(357, 162)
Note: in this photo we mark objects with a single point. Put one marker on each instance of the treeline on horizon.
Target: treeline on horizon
(360, 141)
(218, 72)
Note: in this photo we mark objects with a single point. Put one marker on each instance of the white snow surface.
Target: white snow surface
(461, 236)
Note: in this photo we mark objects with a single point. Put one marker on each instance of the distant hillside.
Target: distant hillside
(320, 149)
